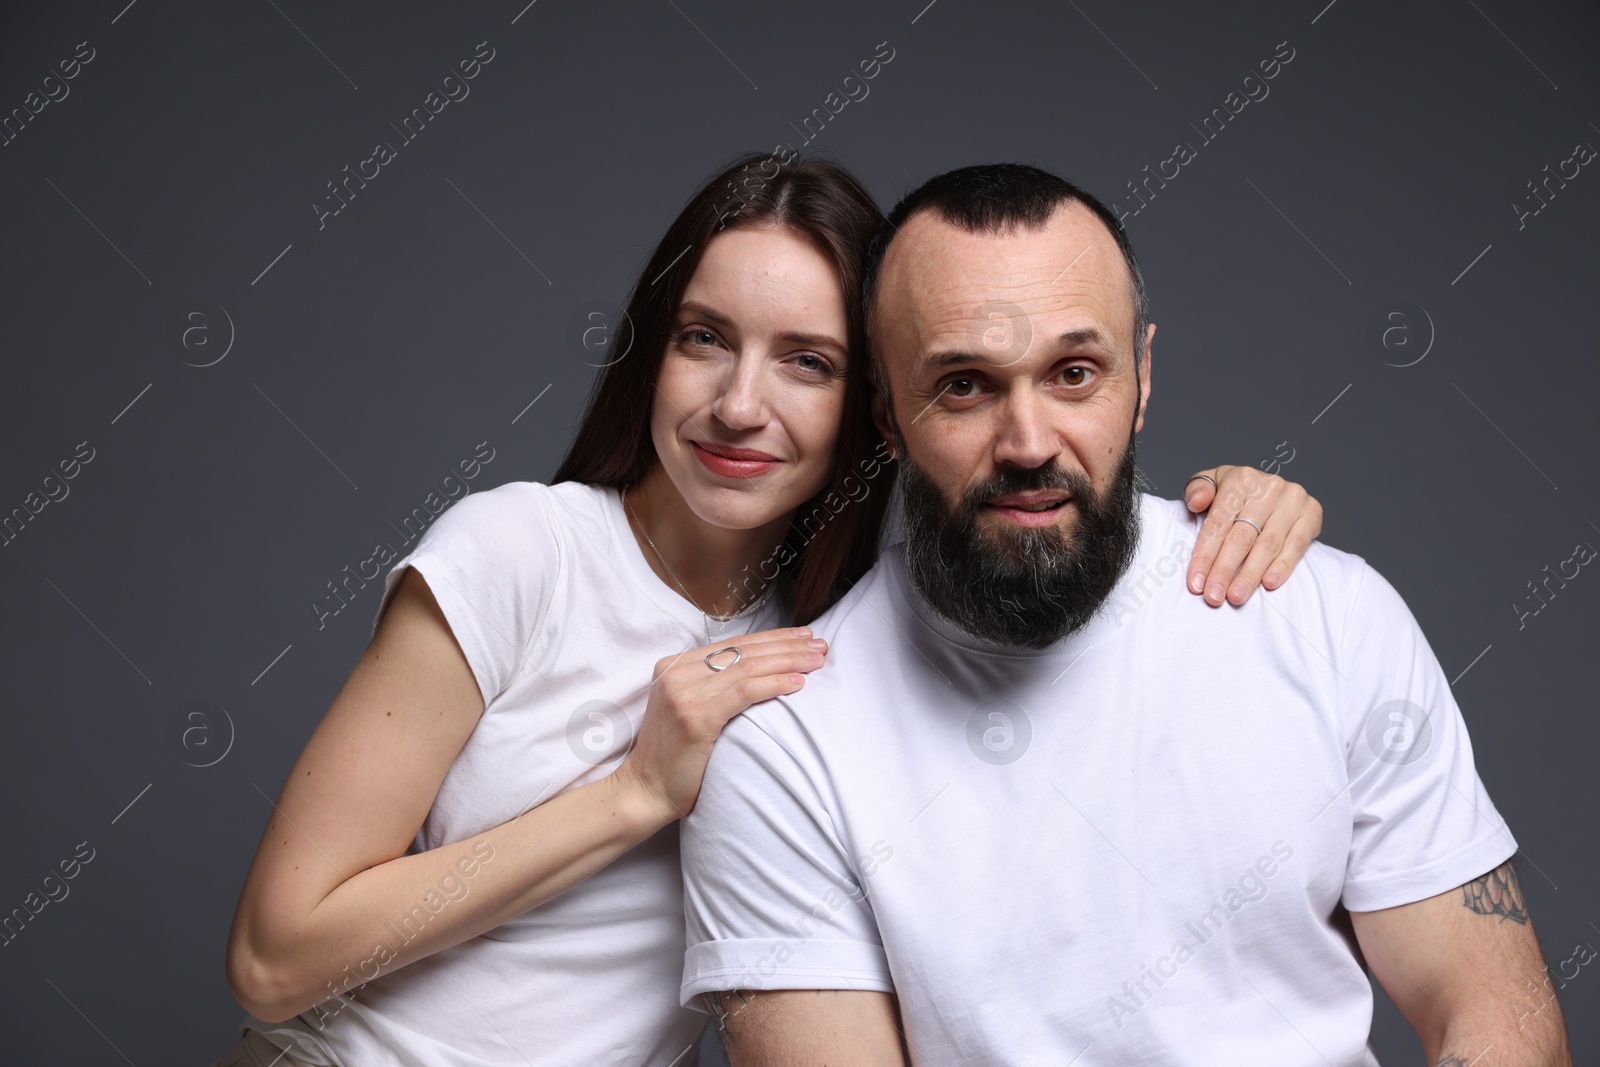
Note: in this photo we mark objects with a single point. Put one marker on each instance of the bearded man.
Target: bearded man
(1042, 805)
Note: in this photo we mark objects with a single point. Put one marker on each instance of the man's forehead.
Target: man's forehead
(940, 272)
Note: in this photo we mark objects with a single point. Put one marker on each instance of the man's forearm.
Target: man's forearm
(1526, 1033)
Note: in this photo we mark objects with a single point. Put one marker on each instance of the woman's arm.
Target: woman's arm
(1230, 558)
(330, 889)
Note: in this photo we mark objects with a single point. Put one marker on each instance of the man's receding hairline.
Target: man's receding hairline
(1000, 226)
(1002, 229)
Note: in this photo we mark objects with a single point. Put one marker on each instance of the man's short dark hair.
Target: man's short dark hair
(991, 198)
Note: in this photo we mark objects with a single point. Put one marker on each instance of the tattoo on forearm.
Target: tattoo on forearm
(1497, 893)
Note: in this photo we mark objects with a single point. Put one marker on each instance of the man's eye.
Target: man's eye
(961, 387)
(1075, 375)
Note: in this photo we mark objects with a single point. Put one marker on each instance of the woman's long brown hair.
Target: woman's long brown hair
(833, 537)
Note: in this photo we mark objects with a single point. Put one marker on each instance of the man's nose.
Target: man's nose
(1026, 436)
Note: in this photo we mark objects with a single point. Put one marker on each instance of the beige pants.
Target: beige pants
(254, 1050)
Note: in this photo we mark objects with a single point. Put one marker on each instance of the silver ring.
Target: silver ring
(1252, 522)
(1207, 477)
(738, 654)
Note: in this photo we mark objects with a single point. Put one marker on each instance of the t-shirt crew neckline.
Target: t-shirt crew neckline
(1072, 645)
(668, 598)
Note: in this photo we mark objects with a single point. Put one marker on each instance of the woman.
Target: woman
(485, 820)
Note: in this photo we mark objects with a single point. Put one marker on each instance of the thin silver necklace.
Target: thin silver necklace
(705, 616)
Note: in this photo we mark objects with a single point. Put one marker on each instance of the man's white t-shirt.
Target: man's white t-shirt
(1128, 848)
(562, 621)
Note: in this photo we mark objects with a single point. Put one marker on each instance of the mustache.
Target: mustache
(1021, 479)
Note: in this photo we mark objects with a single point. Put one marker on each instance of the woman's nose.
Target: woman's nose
(742, 404)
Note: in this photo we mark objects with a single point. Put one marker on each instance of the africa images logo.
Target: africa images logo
(1399, 732)
(999, 731)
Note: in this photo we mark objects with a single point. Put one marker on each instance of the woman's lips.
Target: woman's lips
(733, 462)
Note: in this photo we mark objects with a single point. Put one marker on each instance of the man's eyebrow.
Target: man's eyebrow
(695, 309)
(1086, 336)
(942, 358)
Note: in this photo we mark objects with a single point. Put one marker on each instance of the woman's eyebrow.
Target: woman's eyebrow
(703, 311)
(813, 340)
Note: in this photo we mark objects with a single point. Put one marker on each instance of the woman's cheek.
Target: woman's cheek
(681, 387)
(818, 436)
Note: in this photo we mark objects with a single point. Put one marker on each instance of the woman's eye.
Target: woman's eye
(810, 362)
(702, 337)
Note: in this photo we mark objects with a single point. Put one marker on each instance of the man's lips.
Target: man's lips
(731, 462)
(1038, 507)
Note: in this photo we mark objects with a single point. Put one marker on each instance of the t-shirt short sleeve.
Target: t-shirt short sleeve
(491, 562)
(1422, 822)
(771, 897)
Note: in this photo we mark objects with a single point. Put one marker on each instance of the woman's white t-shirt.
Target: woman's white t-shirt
(562, 621)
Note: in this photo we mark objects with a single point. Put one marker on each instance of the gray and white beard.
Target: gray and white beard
(1023, 587)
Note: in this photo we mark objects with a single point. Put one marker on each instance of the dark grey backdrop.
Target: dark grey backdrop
(171, 189)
